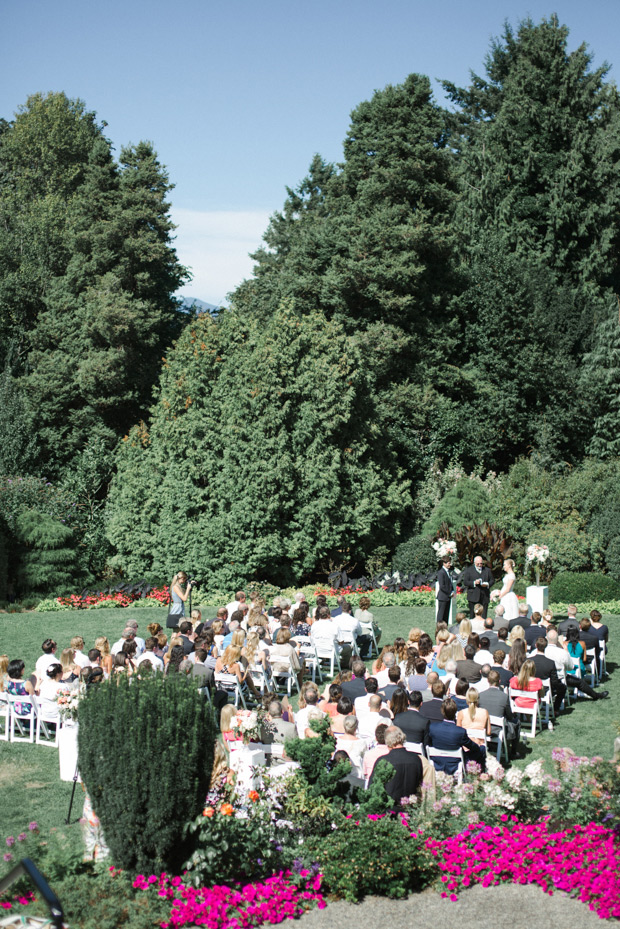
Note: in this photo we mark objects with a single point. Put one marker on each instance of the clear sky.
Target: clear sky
(237, 96)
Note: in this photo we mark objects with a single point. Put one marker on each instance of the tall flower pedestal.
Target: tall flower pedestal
(452, 615)
(537, 598)
(68, 751)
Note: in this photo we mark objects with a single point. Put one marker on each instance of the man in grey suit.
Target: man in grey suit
(275, 730)
(497, 703)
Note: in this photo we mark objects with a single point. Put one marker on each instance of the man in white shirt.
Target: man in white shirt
(47, 658)
(301, 717)
(77, 643)
(349, 626)
(235, 604)
(560, 657)
(484, 655)
(128, 635)
(140, 646)
(375, 715)
(383, 677)
(149, 655)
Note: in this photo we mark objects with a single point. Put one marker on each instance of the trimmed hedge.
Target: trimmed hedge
(571, 586)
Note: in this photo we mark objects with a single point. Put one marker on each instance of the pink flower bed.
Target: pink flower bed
(584, 861)
(270, 901)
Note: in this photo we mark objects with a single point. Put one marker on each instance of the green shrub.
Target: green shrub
(368, 856)
(612, 558)
(575, 587)
(50, 606)
(49, 559)
(415, 556)
(105, 605)
(145, 754)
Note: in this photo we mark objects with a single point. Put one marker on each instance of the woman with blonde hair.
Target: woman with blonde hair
(70, 671)
(464, 632)
(526, 680)
(414, 636)
(255, 656)
(4, 672)
(103, 644)
(180, 589)
(517, 632)
(473, 716)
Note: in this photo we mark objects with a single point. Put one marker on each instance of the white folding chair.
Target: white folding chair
(435, 754)
(533, 712)
(261, 678)
(417, 747)
(288, 676)
(327, 652)
(478, 734)
(5, 714)
(307, 651)
(499, 723)
(590, 660)
(48, 727)
(546, 702)
(18, 720)
(230, 684)
(368, 629)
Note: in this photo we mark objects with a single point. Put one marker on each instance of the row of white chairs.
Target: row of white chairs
(37, 726)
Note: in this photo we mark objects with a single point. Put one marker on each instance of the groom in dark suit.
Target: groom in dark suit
(446, 590)
(478, 580)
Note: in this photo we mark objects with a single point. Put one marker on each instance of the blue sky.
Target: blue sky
(238, 96)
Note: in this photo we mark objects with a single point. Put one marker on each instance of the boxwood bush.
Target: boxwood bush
(576, 586)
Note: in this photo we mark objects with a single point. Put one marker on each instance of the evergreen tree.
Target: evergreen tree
(600, 383)
(539, 154)
(262, 459)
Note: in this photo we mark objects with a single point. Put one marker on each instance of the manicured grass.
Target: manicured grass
(29, 778)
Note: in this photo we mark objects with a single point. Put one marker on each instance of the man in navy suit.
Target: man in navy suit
(446, 590)
(448, 736)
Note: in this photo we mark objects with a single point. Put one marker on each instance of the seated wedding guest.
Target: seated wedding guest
(477, 622)
(130, 650)
(414, 637)
(383, 676)
(394, 681)
(474, 716)
(356, 687)
(517, 632)
(330, 706)
(156, 628)
(275, 730)
(418, 680)
(350, 742)
(407, 667)
(121, 665)
(431, 709)
(458, 692)
(378, 664)
(449, 673)
(300, 624)
(518, 654)
(70, 671)
(94, 658)
(363, 615)
(102, 643)
(446, 735)
(18, 687)
(408, 771)
(374, 714)
(128, 635)
(314, 713)
(426, 649)
(468, 667)
(502, 639)
(590, 640)
(499, 618)
(253, 654)
(4, 672)
(162, 645)
(458, 619)
(218, 633)
(175, 656)
(46, 659)
(547, 672)
(49, 690)
(282, 653)
(187, 636)
(345, 708)
(464, 632)
(149, 654)
(228, 717)
(308, 700)
(571, 619)
(373, 754)
(483, 683)
(534, 631)
(80, 659)
(489, 632)
(406, 715)
(564, 667)
(598, 628)
(497, 703)
(133, 624)
(526, 680)
(499, 657)
(361, 704)
(349, 626)
(483, 655)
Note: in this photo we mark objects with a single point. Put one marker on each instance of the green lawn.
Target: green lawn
(29, 781)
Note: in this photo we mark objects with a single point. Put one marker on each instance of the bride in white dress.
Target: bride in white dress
(507, 597)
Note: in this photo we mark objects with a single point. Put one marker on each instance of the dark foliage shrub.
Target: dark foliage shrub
(145, 755)
(415, 556)
(368, 856)
(575, 586)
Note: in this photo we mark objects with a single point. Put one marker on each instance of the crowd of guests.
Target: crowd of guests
(436, 692)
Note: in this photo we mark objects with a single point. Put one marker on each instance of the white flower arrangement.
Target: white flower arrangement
(537, 554)
(246, 725)
(444, 547)
(68, 703)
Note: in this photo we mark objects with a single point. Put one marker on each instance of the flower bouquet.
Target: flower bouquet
(445, 547)
(246, 726)
(535, 556)
(68, 702)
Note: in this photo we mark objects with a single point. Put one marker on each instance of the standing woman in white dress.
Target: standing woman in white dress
(507, 597)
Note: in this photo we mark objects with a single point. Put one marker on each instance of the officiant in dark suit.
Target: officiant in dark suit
(478, 580)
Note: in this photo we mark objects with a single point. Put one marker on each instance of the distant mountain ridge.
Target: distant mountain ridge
(194, 305)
